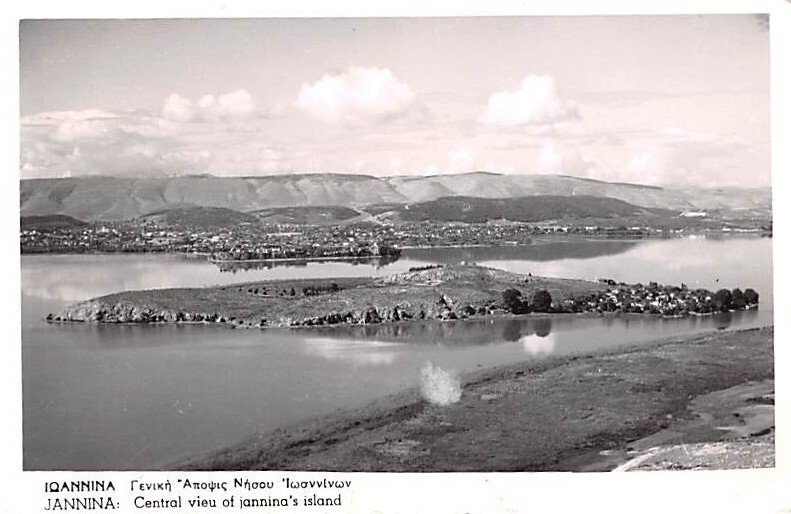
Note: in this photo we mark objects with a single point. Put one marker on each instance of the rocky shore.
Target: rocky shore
(428, 293)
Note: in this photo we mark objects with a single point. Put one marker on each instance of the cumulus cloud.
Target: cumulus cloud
(236, 105)
(535, 102)
(178, 108)
(461, 160)
(357, 95)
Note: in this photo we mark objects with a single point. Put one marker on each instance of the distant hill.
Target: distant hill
(306, 215)
(49, 222)
(209, 217)
(528, 208)
(106, 198)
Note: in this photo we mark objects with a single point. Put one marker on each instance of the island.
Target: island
(431, 292)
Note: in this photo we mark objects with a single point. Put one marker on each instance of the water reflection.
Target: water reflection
(64, 279)
(121, 337)
(242, 266)
(358, 353)
(539, 251)
(536, 344)
(458, 333)
(536, 335)
(516, 329)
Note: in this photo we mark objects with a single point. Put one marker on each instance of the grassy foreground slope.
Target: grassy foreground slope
(552, 414)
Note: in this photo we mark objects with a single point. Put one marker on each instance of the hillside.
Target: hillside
(49, 222)
(529, 208)
(105, 198)
(208, 217)
(306, 215)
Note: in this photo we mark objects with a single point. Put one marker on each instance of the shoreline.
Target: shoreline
(304, 259)
(565, 413)
(538, 238)
(475, 318)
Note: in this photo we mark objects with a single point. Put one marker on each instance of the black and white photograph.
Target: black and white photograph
(513, 243)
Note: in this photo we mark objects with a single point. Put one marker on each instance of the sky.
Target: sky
(669, 100)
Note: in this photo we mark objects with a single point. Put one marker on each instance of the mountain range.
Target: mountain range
(107, 198)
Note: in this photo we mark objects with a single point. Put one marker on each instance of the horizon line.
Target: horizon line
(378, 177)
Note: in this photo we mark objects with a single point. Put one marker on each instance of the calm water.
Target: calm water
(136, 397)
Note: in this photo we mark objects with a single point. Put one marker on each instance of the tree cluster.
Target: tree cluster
(514, 302)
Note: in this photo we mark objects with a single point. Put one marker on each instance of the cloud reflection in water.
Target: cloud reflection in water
(358, 353)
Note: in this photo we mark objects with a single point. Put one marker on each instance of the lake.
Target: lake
(140, 397)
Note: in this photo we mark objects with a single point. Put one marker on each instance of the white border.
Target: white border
(728, 491)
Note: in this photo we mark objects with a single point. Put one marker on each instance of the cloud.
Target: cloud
(72, 125)
(178, 108)
(632, 146)
(535, 102)
(236, 105)
(57, 117)
(677, 156)
(72, 143)
(357, 95)
(72, 130)
(549, 160)
(460, 160)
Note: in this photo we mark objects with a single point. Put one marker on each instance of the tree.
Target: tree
(722, 300)
(512, 301)
(737, 299)
(541, 301)
(750, 296)
(511, 297)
